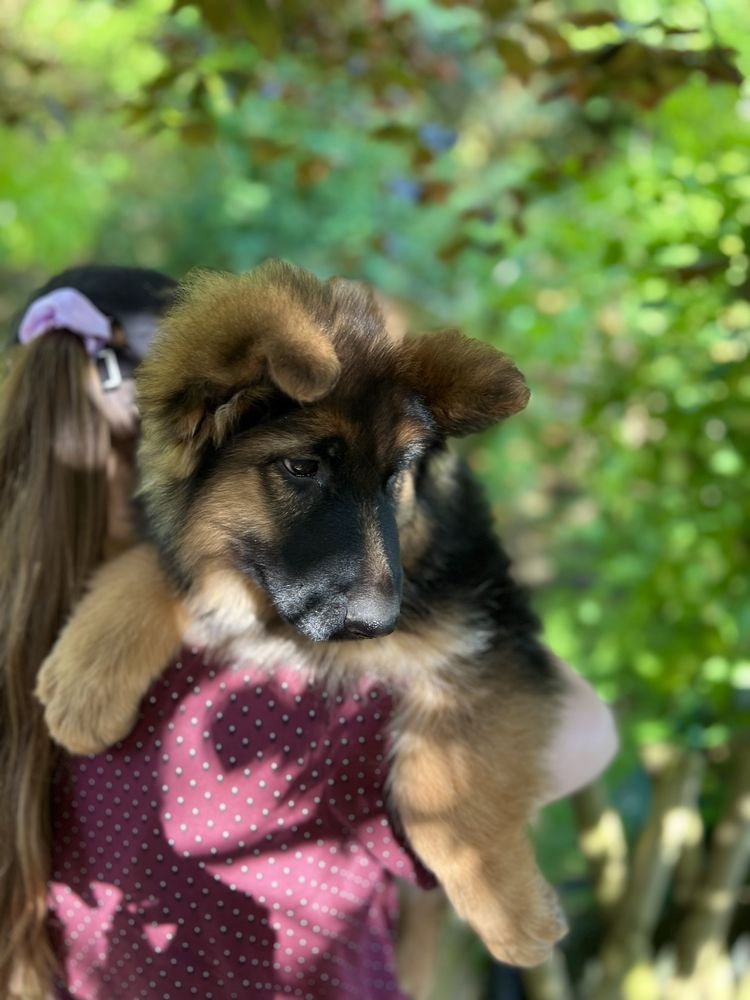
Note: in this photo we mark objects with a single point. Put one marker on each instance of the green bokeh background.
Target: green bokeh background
(569, 180)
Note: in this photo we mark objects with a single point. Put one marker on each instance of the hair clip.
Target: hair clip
(109, 373)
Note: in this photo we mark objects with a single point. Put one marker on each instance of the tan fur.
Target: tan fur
(465, 779)
(413, 524)
(407, 433)
(124, 631)
(214, 518)
(425, 659)
(466, 773)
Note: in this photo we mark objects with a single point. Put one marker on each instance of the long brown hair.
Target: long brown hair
(55, 444)
(53, 518)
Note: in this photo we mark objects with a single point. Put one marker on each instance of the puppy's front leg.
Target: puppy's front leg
(121, 636)
(466, 778)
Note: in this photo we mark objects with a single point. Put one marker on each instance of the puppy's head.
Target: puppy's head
(283, 434)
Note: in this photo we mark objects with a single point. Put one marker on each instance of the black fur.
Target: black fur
(116, 291)
(466, 564)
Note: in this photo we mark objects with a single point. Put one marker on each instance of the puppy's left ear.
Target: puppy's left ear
(467, 384)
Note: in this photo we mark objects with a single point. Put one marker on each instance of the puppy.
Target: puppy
(299, 503)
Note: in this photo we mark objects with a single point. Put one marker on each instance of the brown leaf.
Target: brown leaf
(498, 9)
(422, 157)
(312, 171)
(449, 251)
(394, 132)
(267, 150)
(557, 45)
(434, 192)
(515, 57)
(198, 131)
(591, 18)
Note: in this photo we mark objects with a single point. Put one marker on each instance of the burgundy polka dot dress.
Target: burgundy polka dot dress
(236, 844)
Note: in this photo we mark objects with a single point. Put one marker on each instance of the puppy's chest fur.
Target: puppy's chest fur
(234, 622)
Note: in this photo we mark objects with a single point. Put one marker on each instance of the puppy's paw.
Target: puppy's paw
(84, 711)
(514, 911)
(529, 931)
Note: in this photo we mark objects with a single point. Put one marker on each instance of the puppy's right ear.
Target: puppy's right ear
(230, 344)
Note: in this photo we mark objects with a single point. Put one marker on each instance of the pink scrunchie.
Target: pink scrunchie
(66, 309)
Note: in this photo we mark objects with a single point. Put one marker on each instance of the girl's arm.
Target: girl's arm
(586, 739)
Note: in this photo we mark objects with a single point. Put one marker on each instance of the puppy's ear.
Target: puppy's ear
(230, 343)
(467, 384)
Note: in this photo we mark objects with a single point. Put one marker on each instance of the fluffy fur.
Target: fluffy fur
(296, 495)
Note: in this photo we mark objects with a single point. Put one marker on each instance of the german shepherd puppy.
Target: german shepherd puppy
(299, 503)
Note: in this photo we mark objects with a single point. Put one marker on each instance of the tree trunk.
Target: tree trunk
(549, 981)
(601, 838)
(702, 941)
(628, 971)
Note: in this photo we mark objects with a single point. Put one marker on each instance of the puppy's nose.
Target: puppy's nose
(371, 615)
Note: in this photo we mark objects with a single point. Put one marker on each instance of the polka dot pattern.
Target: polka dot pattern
(236, 843)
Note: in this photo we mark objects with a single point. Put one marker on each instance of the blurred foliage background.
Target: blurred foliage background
(570, 180)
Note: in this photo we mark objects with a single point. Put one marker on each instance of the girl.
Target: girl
(238, 840)
(66, 446)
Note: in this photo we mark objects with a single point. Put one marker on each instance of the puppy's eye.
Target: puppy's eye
(302, 468)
